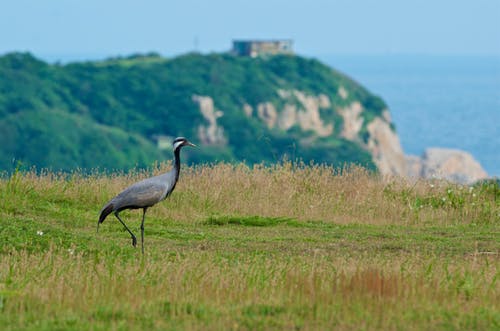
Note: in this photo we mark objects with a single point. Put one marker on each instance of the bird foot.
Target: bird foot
(134, 241)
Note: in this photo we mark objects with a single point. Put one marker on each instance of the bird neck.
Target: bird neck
(177, 162)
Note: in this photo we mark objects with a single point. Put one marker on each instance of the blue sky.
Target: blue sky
(318, 27)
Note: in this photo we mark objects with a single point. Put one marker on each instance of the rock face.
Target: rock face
(450, 164)
(353, 122)
(383, 142)
(211, 133)
(386, 149)
(299, 109)
(304, 111)
(267, 112)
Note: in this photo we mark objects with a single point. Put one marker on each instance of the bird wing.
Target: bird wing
(139, 195)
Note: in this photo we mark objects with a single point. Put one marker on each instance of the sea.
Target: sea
(436, 100)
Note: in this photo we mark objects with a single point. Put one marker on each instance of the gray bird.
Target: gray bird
(146, 193)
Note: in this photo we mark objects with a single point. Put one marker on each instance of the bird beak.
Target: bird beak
(191, 144)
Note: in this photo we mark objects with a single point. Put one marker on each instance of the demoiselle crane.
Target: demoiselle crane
(146, 193)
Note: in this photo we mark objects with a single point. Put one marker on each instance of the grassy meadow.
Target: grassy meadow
(293, 246)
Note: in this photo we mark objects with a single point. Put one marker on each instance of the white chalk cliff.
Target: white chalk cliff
(303, 110)
(305, 113)
(210, 133)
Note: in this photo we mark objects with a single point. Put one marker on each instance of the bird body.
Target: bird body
(145, 193)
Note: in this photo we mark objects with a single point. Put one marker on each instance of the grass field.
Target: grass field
(237, 248)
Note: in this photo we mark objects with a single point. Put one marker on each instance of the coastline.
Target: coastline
(448, 101)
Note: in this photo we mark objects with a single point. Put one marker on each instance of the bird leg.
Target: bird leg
(134, 239)
(142, 228)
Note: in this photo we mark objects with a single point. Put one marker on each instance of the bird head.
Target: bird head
(180, 142)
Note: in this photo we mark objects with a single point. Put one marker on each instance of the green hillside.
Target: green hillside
(107, 114)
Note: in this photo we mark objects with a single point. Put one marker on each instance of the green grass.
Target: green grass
(235, 248)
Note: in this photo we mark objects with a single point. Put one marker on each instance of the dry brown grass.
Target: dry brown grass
(353, 195)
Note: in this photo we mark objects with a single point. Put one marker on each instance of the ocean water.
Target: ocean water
(436, 101)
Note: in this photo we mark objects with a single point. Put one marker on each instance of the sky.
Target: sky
(103, 28)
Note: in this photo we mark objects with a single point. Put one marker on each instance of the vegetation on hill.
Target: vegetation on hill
(107, 113)
(286, 247)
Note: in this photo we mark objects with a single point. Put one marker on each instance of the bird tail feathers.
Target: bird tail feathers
(104, 213)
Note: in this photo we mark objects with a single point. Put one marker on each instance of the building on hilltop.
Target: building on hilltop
(254, 48)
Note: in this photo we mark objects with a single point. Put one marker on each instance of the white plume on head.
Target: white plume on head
(178, 142)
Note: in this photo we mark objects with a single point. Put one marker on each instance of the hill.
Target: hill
(115, 113)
